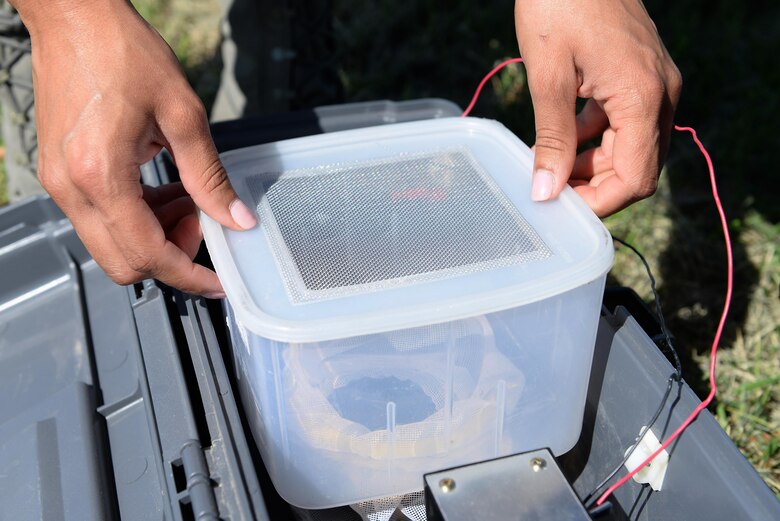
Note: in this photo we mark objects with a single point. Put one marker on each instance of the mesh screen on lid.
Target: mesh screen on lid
(356, 227)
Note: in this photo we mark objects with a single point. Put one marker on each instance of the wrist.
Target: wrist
(43, 16)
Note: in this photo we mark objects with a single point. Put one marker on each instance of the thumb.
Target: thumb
(554, 96)
(201, 170)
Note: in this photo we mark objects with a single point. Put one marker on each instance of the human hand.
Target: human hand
(609, 52)
(109, 94)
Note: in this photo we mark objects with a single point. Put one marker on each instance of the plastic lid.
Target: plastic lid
(394, 227)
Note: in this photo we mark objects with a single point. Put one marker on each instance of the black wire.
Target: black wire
(600, 510)
(642, 433)
(656, 298)
(674, 377)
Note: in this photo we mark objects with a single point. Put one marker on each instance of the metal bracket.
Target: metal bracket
(525, 487)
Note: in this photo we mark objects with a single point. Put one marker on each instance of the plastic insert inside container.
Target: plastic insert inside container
(404, 307)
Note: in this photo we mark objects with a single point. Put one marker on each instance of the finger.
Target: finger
(636, 116)
(593, 182)
(554, 93)
(599, 178)
(636, 160)
(179, 221)
(171, 213)
(88, 224)
(609, 190)
(624, 168)
(591, 122)
(605, 193)
(595, 160)
(186, 130)
(187, 236)
(590, 163)
(621, 171)
(143, 244)
(179, 216)
(159, 195)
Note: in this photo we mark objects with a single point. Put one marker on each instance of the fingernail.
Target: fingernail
(542, 185)
(215, 295)
(242, 215)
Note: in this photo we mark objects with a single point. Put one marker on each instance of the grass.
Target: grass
(400, 50)
(748, 374)
(191, 28)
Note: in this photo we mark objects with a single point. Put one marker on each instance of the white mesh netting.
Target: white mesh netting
(350, 228)
(409, 507)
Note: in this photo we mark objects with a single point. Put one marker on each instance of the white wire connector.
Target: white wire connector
(655, 471)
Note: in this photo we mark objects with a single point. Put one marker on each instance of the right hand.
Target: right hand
(608, 51)
(109, 95)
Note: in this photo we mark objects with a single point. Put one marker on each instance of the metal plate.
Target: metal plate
(527, 487)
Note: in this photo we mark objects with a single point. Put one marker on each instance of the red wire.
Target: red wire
(726, 305)
(484, 80)
(721, 324)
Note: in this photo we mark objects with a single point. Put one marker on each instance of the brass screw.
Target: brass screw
(447, 485)
(538, 464)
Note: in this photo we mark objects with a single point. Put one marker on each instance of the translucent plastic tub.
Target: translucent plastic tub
(404, 307)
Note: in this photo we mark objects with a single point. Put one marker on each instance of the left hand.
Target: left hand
(607, 51)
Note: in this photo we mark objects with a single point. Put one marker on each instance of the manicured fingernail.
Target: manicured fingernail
(242, 215)
(215, 295)
(542, 185)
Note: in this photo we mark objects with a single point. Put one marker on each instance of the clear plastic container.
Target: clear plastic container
(404, 307)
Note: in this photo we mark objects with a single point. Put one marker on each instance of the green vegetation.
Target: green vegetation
(191, 28)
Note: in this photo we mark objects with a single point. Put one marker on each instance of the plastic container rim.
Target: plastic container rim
(301, 331)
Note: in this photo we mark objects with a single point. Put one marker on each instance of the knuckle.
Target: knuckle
(51, 182)
(142, 263)
(125, 277)
(86, 179)
(552, 139)
(645, 188)
(189, 112)
(651, 91)
(643, 95)
(213, 178)
(83, 168)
